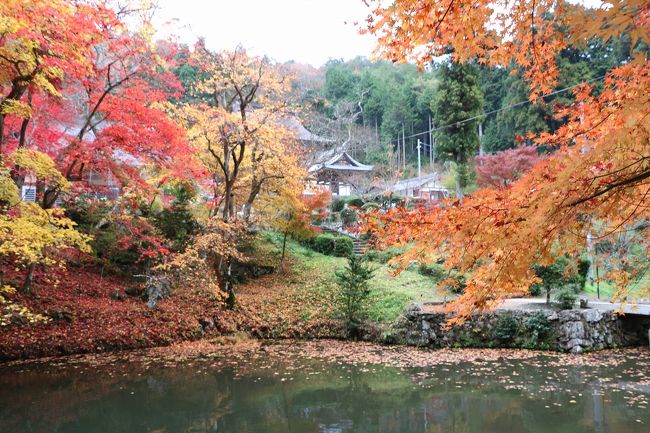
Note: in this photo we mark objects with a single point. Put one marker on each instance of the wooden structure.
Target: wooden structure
(337, 173)
(425, 187)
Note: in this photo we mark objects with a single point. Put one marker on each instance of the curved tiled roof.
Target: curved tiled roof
(341, 162)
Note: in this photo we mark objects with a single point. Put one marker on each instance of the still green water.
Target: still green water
(268, 394)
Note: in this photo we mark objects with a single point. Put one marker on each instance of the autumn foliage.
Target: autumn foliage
(501, 169)
(596, 180)
(95, 123)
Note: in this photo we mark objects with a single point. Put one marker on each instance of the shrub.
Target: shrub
(353, 292)
(535, 289)
(338, 205)
(370, 205)
(177, 224)
(506, 328)
(348, 216)
(538, 328)
(384, 256)
(456, 283)
(433, 270)
(331, 245)
(343, 246)
(105, 247)
(355, 201)
(324, 243)
(566, 297)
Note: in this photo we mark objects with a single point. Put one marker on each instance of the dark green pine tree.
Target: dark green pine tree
(353, 292)
(459, 98)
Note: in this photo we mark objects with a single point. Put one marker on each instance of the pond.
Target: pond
(329, 387)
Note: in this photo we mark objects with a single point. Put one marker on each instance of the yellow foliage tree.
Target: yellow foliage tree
(11, 312)
(29, 234)
(237, 128)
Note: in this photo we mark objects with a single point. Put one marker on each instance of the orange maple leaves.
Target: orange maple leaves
(599, 172)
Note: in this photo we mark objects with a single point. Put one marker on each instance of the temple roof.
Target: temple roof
(418, 182)
(302, 133)
(341, 162)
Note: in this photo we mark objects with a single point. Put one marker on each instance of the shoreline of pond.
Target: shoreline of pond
(590, 332)
(334, 350)
(575, 330)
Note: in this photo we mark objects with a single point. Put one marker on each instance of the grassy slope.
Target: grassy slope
(288, 301)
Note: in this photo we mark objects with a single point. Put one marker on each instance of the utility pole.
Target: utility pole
(399, 152)
(432, 158)
(403, 148)
(480, 139)
(419, 165)
(377, 133)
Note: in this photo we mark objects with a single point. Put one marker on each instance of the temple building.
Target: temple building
(338, 174)
(426, 188)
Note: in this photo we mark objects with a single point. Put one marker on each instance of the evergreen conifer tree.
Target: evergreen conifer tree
(459, 98)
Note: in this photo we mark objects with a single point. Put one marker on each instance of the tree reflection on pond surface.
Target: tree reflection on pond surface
(269, 393)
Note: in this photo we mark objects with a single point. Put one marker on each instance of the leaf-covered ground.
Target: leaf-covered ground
(91, 312)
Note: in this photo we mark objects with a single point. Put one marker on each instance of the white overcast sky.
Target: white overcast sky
(307, 31)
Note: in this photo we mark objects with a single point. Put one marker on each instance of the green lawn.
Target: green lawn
(390, 294)
(607, 289)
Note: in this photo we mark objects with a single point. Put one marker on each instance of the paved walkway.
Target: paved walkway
(642, 308)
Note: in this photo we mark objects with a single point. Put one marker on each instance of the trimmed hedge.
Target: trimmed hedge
(343, 247)
(323, 243)
(330, 245)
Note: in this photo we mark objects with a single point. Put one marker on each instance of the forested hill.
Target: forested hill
(384, 101)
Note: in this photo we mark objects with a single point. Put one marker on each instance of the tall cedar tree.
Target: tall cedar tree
(459, 98)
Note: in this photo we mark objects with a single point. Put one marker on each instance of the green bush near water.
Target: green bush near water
(566, 298)
(331, 245)
(507, 328)
(353, 291)
(538, 330)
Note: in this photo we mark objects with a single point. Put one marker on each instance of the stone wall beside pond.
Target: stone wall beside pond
(574, 330)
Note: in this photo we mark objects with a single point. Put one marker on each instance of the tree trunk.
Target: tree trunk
(2, 133)
(229, 289)
(248, 207)
(49, 198)
(27, 284)
(284, 248)
(548, 295)
(228, 206)
(17, 91)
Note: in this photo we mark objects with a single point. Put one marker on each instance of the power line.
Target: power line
(518, 104)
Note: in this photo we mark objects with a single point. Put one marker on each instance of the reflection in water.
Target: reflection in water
(301, 395)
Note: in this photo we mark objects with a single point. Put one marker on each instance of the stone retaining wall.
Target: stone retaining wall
(574, 330)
